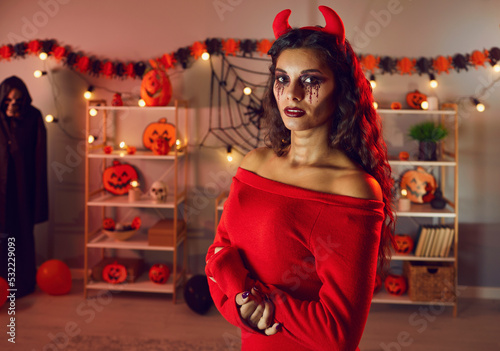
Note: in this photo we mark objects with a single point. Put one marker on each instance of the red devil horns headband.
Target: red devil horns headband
(334, 24)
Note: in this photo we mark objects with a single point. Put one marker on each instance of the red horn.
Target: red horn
(334, 24)
(280, 24)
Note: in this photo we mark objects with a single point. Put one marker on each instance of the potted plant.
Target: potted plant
(428, 134)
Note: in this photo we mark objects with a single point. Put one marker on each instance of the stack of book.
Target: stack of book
(435, 241)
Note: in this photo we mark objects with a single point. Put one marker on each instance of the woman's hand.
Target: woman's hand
(258, 312)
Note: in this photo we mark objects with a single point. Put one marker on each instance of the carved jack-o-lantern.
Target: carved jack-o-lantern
(108, 223)
(114, 273)
(155, 130)
(156, 89)
(116, 178)
(419, 184)
(395, 284)
(404, 244)
(415, 99)
(161, 146)
(159, 273)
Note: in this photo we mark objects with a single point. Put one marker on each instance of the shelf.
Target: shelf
(416, 112)
(139, 155)
(122, 201)
(425, 210)
(134, 108)
(138, 242)
(412, 163)
(384, 297)
(142, 284)
(412, 257)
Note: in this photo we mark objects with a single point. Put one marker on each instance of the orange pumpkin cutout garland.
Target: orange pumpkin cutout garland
(116, 178)
(159, 130)
(156, 89)
(419, 184)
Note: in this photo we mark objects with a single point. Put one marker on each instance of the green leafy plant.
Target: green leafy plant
(428, 131)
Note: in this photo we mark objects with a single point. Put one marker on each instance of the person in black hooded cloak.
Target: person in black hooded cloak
(23, 184)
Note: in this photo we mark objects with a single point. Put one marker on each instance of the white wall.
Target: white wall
(132, 30)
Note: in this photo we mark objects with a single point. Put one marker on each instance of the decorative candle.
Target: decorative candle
(433, 103)
(404, 203)
(134, 193)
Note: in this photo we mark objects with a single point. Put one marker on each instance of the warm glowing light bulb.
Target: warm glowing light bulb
(93, 112)
(480, 107)
(424, 105)
(87, 95)
(141, 103)
(43, 56)
(229, 155)
(91, 139)
(375, 105)
(229, 158)
(404, 192)
(433, 83)
(49, 118)
(38, 73)
(123, 145)
(134, 183)
(205, 56)
(247, 91)
(496, 68)
(373, 82)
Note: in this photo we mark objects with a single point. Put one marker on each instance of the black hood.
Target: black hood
(15, 83)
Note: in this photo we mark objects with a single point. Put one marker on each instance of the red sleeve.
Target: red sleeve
(230, 274)
(345, 249)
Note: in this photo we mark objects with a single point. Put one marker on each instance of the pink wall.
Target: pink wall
(133, 31)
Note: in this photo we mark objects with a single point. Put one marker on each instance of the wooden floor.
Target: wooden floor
(42, 322)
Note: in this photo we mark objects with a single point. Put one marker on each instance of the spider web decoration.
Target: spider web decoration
(235, 117)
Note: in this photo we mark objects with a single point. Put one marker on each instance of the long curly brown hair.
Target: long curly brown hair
(355, 126)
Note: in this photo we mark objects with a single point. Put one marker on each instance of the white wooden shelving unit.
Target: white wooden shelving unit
(173, 166)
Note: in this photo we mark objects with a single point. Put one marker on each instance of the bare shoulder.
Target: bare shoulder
(254, 159)
(358, 184)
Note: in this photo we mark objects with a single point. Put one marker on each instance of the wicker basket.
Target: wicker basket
(430, 282)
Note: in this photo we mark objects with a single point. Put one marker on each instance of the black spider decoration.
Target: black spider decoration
(20, 49)
(47, 45)
(494, 55)
(424, 65)
(120, 69)
(214, 46)
(248, 46)
(71, 59)
(139, 68)
(387, 64)
(182, 56)
(460, 62)
(95, 67)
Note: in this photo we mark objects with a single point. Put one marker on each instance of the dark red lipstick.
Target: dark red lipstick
(294, 112)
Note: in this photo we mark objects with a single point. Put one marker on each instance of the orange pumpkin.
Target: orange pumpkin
(396, 105)
(404, 244)
(415, 99)
(156, 89)
(404, 156)
(159, 273)
(108, 223)
(160, 129)
(116, 178)
(419, 184)
(395, 284)
(114, 273)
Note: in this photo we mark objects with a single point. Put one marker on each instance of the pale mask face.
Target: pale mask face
(12, 103)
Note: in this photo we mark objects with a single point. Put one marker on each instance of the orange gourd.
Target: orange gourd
(414, 99)
(156, 89)
(155, 130)
(116, 178)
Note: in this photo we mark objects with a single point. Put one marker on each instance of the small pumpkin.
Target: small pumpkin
(156, 89)
(116, 178)
(114, 273)
(108, 223)
(155, 130)
(404, 244)
(419, 184)
(161, 146)
(159, 273)
(396, 105)
(395, 284)
(136, 223)
(404, 156)
(414, 99)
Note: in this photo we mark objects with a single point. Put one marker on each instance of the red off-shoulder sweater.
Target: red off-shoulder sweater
(313, 253)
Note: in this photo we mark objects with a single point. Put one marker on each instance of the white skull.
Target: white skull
(158, 191)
